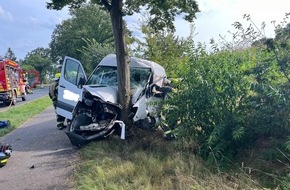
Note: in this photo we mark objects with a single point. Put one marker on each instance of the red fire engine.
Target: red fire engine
(32, 77)
(11, 82)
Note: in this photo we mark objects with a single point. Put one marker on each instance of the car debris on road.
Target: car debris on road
(5, 153)
(4, 124)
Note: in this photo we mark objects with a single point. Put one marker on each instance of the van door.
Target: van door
(69, 88)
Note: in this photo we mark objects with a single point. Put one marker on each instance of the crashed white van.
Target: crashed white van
(91, 104)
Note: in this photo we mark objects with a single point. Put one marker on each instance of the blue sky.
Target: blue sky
(26, 25)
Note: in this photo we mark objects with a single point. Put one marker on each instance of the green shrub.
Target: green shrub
(222, 106)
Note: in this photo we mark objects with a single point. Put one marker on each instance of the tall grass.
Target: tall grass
(21, 113)
(146, 161)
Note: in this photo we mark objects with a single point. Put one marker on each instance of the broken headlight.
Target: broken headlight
(87, 97)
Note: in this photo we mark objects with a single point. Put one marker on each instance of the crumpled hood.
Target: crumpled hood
(106, 93)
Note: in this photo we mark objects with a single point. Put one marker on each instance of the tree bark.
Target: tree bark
(122, 58)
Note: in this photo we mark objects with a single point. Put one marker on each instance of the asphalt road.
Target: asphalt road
(37, 93)
(42, 158)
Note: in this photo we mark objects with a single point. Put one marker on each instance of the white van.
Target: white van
(91, 104)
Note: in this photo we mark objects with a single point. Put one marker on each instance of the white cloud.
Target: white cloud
(1, 11)
(34, 20)
(5, 15)
(217, 16)
(31, 28)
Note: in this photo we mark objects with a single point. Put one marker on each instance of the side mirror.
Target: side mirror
(82, 81)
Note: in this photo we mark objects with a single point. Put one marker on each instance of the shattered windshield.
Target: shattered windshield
(104, 76)
(107, 76)
(139, 76)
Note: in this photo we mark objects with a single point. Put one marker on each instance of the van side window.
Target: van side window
(71, 71)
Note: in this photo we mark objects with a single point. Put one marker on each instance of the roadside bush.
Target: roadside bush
(209, 104)
(223, 107)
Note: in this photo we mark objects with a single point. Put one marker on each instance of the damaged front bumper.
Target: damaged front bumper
(83, 137)
(94, 119)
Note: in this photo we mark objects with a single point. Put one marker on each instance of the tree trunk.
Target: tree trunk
(122, 58)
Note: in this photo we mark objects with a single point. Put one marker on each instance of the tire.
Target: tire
(73, 133)
(8, 102)
(77, 121)
(80, 138)
(147, 124)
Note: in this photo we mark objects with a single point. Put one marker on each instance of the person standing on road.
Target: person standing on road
(53, 91)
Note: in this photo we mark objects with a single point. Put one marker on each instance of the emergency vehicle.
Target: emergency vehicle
(32, 77)
(11, 82)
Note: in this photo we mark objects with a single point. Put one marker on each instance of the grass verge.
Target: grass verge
(149, 162)
(19, 114)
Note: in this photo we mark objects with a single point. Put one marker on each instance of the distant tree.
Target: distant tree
(283, 32)
(44, 52)
(87, 23)
(165, 48)
(162, 16)
(10, 55)
(93, 53)
(280, 47)
(40, 60)
(27, 67)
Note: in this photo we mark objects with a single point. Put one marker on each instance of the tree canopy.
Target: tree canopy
(10, 54)
(162, 13)
(40, 60)
(87, 23)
